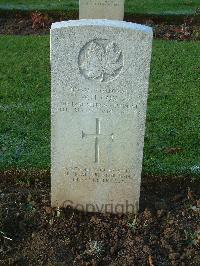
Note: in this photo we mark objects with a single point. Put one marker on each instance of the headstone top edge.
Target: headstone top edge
(102, 22)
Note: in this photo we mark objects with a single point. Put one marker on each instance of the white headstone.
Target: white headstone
(101, 9)
(100, 72)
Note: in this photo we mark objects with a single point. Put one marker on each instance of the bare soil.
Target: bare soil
(37, 24)
(166, 230)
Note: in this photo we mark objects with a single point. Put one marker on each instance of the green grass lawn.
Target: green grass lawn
(184, 7)
(173, 106)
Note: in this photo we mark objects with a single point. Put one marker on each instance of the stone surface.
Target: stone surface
(100, 71)
(101, 9)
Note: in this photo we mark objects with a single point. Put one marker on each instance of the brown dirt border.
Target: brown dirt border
(154, 187)
(158, 19)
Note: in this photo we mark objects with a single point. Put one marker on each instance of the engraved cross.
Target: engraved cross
(97, 135)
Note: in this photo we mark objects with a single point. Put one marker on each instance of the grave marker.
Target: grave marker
(101, 9)
(100, 72)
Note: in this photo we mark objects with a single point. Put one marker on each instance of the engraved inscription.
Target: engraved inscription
(103, 100)
(99, 175)
(106, 3)
(97, 136)
(100, 60)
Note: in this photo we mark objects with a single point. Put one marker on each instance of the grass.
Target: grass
(176, 7)
(173, 106)
(173, 109)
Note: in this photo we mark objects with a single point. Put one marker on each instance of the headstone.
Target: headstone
(100, 71)
(101, 9)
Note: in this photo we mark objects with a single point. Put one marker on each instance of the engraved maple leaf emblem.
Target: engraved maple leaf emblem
(101, 60)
